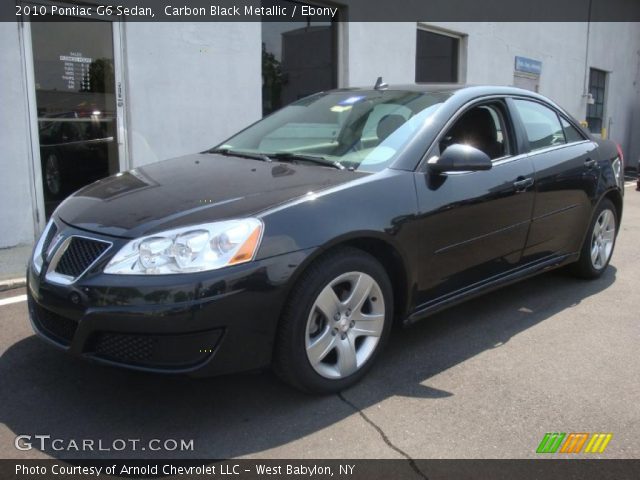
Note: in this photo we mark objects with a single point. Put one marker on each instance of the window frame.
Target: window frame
(521, 131)
(507, 129)
(510, 124)
(605, 82)
(580, 132)
(460, 53)
(524, 128)
(520, 141)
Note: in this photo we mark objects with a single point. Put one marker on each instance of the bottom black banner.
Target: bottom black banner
(546, 469)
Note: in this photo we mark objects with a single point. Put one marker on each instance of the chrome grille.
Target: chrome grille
(51, 233)
(79, 255)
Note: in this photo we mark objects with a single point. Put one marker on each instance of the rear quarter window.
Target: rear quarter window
(571, 133)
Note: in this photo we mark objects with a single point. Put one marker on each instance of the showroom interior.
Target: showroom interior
(87, 99)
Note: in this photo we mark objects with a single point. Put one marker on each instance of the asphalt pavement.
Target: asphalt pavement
(486, 379)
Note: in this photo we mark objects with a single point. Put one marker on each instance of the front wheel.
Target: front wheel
(335, 323)
(598, 245)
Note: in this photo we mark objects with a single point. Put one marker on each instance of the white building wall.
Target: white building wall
(380, 49)
(562, 49)
(492, 48)
(189, 85)
(615, 48)
(16, 217)
(489, 51)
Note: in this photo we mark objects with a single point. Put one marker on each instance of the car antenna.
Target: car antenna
(380, 85)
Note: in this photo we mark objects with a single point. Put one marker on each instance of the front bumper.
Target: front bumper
(204, 324)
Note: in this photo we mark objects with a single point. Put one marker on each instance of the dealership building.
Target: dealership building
(85, 99)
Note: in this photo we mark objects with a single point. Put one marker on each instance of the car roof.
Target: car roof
(452, 88)
(464, 93)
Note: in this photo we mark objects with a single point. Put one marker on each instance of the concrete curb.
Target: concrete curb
(12, 283)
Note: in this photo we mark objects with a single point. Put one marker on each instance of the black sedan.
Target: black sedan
(299, 241)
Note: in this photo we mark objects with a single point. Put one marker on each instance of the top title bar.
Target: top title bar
(342, 10)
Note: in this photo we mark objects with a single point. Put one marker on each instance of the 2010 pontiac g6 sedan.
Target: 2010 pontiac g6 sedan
(299, 241)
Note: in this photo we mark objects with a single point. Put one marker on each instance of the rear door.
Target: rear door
(566, 177)
(474, 224)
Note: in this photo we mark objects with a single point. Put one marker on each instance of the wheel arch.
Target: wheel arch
(616, 198)
(383, 250)
(393, 263)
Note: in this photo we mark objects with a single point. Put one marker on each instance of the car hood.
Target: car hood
(190, 190)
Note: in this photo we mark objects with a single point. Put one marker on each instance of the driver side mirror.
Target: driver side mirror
(460, 158)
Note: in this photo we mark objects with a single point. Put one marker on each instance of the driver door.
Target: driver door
(474, 225)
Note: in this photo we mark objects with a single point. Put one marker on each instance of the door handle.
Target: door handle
(590, 163)
(521, 184)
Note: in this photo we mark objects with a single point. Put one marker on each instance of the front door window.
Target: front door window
(482, 127)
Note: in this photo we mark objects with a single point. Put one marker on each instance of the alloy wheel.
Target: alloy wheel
(602, 238)
(344, 325)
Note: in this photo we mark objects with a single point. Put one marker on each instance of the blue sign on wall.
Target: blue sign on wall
(528, 65)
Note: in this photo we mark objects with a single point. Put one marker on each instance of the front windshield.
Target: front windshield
(354, 129)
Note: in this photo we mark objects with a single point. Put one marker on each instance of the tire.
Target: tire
(600, 238)
(328, 338)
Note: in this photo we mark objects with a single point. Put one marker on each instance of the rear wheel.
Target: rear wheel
(335, 323)
(599, 243)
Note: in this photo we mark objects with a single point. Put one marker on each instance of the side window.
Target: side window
(482, 127)
(571, 133)
(541, 124)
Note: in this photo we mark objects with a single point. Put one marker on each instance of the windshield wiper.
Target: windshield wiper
(236, 153)
(307, 158)
(282, 156)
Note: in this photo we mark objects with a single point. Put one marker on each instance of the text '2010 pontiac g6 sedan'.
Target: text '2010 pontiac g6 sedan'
(299, 241)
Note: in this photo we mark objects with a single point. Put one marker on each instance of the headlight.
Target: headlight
(191, 249)
(618, 172)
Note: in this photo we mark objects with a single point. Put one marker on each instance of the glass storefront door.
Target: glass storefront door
(75, 96)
